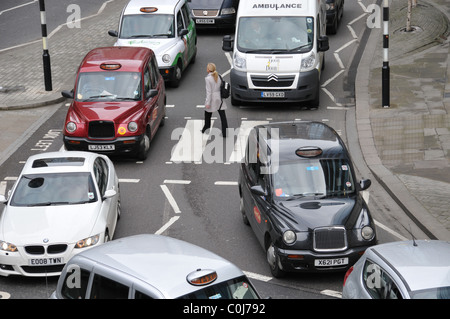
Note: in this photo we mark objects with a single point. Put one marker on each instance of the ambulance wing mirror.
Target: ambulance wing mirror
(323, 44)
(227, 43)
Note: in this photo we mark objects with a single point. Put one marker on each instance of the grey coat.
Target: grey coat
(213, 94)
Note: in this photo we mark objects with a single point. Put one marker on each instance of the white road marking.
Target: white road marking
(170, 198)
(225, 183)
(129, 180)
(167, 225)
(176, 181)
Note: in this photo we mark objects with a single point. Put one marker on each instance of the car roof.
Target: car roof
(426, 265)
(293, 135)
(131, 59)
(58, 162)
(160, 261)
(164, 7)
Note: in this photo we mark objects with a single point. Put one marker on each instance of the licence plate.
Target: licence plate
(101, 147)
(45, 261)
(205, 21)
(331, 262)
(272, 94)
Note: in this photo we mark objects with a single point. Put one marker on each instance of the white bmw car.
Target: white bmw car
(61, 204)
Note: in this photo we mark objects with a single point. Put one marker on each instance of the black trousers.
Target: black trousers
(223, 120)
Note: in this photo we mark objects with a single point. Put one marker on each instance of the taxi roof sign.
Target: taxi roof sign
(110, 66)
(201, 277)
(148, 9)
(308, 151)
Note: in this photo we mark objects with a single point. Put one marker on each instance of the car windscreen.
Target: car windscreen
(275, 34)
(54, 189)
(313, 177)
(109, 86)
(238, 288)
(147, 26)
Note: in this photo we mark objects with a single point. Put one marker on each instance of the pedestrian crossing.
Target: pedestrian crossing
(195, 147)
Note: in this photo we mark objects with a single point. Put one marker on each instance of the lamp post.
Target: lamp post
(385, 70)
(45, 55)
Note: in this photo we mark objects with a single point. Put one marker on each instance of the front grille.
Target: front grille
(273, 81)
(35, 250)
(101, 129)
(51, 249)
(330, 239)
(56, 249)
(42, 269)
(204, 13)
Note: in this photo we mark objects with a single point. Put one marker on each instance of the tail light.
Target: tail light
(349, 271)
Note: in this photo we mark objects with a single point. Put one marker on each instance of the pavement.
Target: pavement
(406, 146)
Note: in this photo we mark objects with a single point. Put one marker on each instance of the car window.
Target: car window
(180, 23)
(155, 71)
(186, 14)
(75, 283)
(105, 288)
(147, 81)
(141, 295)
(378, 283)
(111, 85)
(101, 174)
(238, 288)
(147, 26)
(54, 189)
(153, 78)
(318, 177)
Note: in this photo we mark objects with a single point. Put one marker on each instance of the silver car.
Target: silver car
(151, 267)
(416, 269)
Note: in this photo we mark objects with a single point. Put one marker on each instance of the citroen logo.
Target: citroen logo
(205, 13)
(272, 77)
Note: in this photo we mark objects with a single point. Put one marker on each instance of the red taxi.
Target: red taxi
(119, 101)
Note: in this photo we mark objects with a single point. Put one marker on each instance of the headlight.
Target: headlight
(367, 232)
(228, 11)
(309, 62)
(90, 241)
(289, 237)
(240, 62)
(71, 127)
(132, 126)
(166, 58)
(7, 246)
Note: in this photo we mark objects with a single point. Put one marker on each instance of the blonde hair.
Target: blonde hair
(212, 69)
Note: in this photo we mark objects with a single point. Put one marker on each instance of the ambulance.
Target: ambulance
(278, 51)
(166, 27)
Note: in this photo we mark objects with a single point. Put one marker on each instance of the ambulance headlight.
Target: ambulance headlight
(240, 62)
(166, 58)
(309, 62)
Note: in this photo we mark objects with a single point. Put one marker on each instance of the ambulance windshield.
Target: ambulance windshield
(275, 34)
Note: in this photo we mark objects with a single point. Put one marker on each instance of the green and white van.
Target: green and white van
(166, 27)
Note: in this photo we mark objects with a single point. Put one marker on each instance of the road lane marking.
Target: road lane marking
(170, 198)
(167, 225)
(225, 183)
(129, 180)
(176, 181)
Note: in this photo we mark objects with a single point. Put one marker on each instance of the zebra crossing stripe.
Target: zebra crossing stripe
(239, 147)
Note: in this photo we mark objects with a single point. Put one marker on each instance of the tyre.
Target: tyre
(274, 261)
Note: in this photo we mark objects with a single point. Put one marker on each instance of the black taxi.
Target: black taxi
(298, 192)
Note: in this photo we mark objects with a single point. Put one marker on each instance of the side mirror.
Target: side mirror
(227, 43)
(365, 184)
(109, 193)
(183, 32)
(152, 93)
(113, 33)
(3, 199)
(67, 94)
(323, 44)
(258, 190)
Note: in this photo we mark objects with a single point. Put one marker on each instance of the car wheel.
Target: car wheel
(144, 147)
(176, 76)
(242, 209)
(273, 260)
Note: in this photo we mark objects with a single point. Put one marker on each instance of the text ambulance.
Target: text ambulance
(278, 51)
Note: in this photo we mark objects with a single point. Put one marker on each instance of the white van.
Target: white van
(166, 27)
(278, 51)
